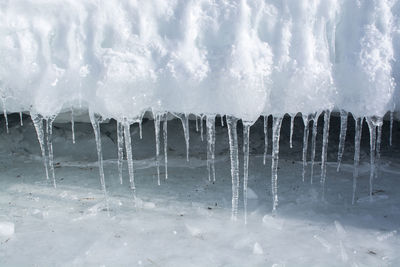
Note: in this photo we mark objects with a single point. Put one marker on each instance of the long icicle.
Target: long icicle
(38, 123)
(185, 124)
(120, 143)
(314, 142)
(233, 148)
(165, 135)
(357, 142)
(129, 157)
(324, 153)
(378, 147)
(156, 118)
(21, 121)
(276, 132)
(292, 116)
(265, 139)
(342, 137)
(5, 113)
(201, 128)
(95, 120)
(372, 142)
(391, 129)
(305, 144)
(49, 135)
(246, 140)
(72, 125)
(210, 123)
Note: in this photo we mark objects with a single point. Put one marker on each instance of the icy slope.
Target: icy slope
(240, 58)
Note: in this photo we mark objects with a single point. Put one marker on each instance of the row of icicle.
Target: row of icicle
(44, 132)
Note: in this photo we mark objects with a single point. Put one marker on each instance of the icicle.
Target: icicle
(378, 148)
(291, 129)
(246, 138)
(324, 153)
(140, 125)
(49, 133)
(222, 120)
(95, 120)
(314, 142)
(357, 142)
(265, 139)
(233, 147)
(372, 142)
(276, 132)
(391, 128)
(210, 123)
(129, 158)
(156, 118)
(201, 128)
(165, 135)
(197, 123)
(21, 119)
(38, 123)
(120, 141)
(342, 138)
(5, 112)
(305, 144)
(72, 125)
(185, 124)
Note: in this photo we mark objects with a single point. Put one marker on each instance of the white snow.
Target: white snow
(6, 228)
(240, 58)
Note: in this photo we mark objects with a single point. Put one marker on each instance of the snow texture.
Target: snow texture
(239, 58)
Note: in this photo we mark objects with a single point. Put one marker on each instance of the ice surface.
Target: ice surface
(239, 58)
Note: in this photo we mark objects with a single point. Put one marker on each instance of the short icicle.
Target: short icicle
(276, 132)
(49, 135)
(72, 125)
(165, 135)
(222, 120)
(197, 123)
(292, 116)
(156, 118)
(129, 157)
(21, 121)
(38, 123)
(5, 113)
(314, 142)
(210, 123)
(95, 120)
(342, 137)
(324, 153)
(120, 143)
(305, 144)
(234, 155)
(246, 140)
(265, 139)
(357, 142)
(391, 129)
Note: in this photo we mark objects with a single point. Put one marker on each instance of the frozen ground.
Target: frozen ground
(186, 220)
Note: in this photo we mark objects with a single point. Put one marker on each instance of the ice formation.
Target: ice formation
(243, 59)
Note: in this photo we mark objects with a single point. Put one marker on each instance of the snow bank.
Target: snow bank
(240, 58)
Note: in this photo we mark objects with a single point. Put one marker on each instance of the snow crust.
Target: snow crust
(240, 58)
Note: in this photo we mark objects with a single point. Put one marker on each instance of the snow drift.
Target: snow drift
(241, 58)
